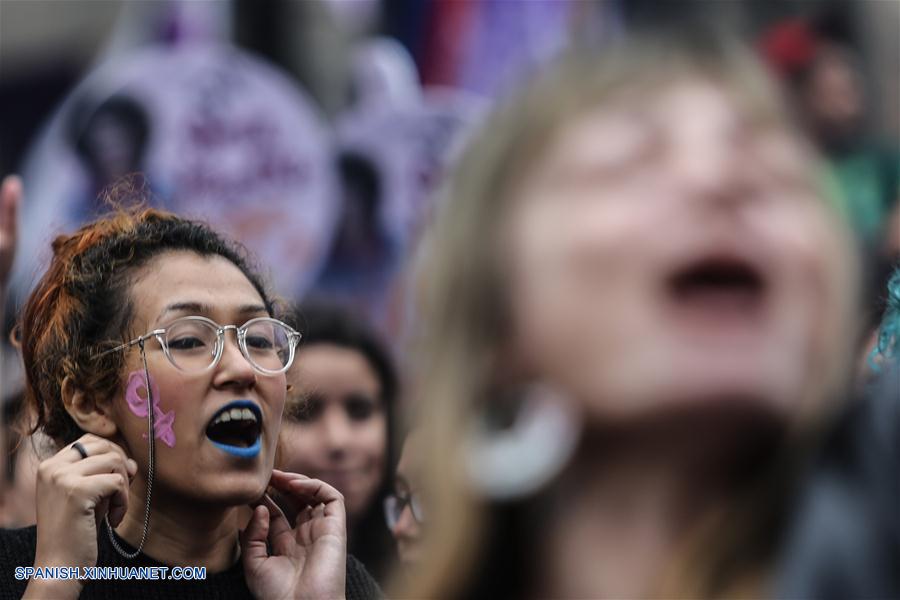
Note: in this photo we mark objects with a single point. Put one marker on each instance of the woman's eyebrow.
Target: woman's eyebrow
(198, 308)
(192, 307)
(252, 308)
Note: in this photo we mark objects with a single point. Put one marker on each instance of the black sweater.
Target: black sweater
(17, 548)
(844, 538)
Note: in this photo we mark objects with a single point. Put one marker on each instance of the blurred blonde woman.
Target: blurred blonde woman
(638, 308)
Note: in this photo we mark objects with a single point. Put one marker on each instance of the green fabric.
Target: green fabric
(869, 180)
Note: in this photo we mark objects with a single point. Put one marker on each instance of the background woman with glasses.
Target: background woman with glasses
(404, 510)
(154, 362)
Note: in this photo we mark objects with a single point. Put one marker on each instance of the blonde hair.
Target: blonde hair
(462, 309)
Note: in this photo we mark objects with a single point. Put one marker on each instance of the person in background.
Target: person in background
(884, 304)
(844, 541)
(110, 140)
(826, 83)
(638, 309)
(886, 343)
(404, 510)
(339, 421)
(21, 457)
(879, 293)
(10, 200)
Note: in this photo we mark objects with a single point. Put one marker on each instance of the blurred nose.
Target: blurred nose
(233, 369)
(337, 431)
(708, 161)
(709, 170)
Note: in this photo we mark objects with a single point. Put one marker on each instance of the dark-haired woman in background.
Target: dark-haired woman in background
(339, 421)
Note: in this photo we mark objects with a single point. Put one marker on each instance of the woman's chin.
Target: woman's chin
(231, 492)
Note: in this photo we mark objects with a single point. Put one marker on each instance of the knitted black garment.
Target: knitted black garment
(844, 539)
(17, 547)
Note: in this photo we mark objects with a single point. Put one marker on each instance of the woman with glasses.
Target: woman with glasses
(154, 362)
(404, 510)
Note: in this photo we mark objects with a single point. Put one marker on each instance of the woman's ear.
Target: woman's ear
(91, 416)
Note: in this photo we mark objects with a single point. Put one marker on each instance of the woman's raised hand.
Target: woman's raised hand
(73, 494)
(10, 200)
(308, 557)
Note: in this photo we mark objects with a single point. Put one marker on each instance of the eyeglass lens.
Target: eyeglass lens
(193, 344)
(393, 508)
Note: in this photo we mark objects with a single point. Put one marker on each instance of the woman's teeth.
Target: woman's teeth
(237, 430)
(235, 414)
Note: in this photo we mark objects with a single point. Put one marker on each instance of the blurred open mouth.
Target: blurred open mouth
(236, 428)
(718, 286)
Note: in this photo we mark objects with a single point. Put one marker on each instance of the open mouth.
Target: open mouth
(718, 283)
(236, 428)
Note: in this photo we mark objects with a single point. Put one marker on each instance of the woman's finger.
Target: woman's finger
(10, 198)
(103, 460)
(281, 534)
(305, 516)
(95, 488)
(118, 505)
(311, 492)
(102, 463)
(314, 491)
(95, 446)
(286, 477)
(253, 539)
(282, 484)
(289, 506)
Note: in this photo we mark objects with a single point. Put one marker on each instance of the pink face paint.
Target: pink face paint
(137, 404)
(162, 421)
(162, 427)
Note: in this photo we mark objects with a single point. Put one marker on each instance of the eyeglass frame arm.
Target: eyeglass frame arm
(155, 333)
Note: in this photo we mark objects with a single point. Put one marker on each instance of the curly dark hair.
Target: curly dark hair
(81, 305)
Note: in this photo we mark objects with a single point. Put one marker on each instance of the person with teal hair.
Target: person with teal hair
(887, 344)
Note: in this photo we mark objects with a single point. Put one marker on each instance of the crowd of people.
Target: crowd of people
(649, 356)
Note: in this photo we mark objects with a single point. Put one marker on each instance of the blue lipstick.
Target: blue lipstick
(240, 451)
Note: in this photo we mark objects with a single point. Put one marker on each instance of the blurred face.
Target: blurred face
(668, 252)
(336, 427)
(190, 459)
(407, 530)
(113, 149)
(833, 99)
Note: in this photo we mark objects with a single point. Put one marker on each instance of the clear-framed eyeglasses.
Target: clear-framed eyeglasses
(195, 345)
(394, 505)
